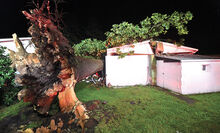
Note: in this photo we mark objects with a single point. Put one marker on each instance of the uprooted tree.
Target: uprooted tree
(52, 70)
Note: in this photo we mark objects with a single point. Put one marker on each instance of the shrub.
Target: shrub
(8, 89)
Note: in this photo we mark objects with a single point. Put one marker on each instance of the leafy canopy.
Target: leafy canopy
(149, 28)
(127, 33)
(90, 48)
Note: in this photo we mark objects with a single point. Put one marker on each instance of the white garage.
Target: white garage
(189, 74)
(130, 70)
(136, 69)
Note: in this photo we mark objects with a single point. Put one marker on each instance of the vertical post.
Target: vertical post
(153, 70)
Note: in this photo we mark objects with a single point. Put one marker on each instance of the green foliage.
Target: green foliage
(127, 33)
(122, 55)
(122, 34)
(10, 95)
(7, 86)
(32, 125)
(149, 28)
(6, 73)
(90, 47)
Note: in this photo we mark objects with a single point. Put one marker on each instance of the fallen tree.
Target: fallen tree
(52, 70)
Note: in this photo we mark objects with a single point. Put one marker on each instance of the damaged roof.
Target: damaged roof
(144, 48)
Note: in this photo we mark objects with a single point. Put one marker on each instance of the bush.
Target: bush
(8, 89)
(90, 48)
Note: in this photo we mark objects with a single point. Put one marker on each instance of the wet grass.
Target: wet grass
(12, 110)
(144, 109)
(147, 109)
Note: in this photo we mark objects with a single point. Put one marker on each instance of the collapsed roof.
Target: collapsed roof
(144, 48)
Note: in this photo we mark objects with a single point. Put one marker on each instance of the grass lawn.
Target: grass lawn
(12, 110)
(145, 109)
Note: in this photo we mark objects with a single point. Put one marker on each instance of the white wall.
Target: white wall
(128, 71)
(196, 80)
(169, 75)
(9, 43)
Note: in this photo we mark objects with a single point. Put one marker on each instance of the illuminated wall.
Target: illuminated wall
(200, 76)
(128, 71)
(189, 76)
(169, 75)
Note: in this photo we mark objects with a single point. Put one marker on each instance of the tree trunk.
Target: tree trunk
(53, 69)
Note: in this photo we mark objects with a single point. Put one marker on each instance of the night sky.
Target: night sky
(91, 18)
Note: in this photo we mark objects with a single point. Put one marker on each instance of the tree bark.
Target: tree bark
(157, 48)
(52, 70)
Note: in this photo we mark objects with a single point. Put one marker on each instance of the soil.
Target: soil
(97, 110)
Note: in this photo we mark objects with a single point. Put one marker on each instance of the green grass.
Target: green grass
(154, 111)
(32, 125)
(145, 109)
(12, 110)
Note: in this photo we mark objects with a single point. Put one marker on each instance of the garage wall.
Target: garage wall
(200, 77)
(128, 71)
(169, 75)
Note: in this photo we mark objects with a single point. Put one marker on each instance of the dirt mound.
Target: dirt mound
(28, 118)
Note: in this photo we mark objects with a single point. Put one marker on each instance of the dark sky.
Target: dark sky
(92, 18)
